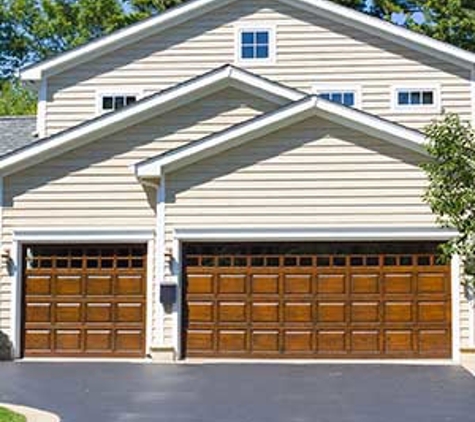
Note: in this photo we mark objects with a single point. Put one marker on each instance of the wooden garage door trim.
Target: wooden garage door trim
(380, 317)
(84, 300)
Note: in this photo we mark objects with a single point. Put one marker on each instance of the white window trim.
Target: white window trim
(433, 108)
(320, 87)
(255, 26)
(71, 235)
(103, 92)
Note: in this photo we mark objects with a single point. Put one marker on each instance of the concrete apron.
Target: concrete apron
(32, 415)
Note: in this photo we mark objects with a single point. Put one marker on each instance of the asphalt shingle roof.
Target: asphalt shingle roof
(16, 132)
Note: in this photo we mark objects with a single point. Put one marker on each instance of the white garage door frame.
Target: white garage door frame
(348, 234)
(68, 236)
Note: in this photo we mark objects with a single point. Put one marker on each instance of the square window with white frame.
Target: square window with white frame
(113, 102)
(255, 45)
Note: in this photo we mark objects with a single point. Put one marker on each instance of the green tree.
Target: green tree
(15, 99)
(451, 174)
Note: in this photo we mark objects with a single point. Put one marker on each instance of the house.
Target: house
(235, 179)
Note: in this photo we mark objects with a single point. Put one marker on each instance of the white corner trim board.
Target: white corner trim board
(193, 9)
(154, 105)
(284, 117)
(455, 277)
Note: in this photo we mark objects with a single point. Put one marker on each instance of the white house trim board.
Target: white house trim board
(68, 236)
(284, 117)
(41, 112)
(160, 103)
(192, 9)
(455, 277)
(160, 261)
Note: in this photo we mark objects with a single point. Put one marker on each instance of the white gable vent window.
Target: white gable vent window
(416, 98)
(113, 102)
(255, 45)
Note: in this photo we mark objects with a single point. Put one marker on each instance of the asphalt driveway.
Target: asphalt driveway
(241, 393)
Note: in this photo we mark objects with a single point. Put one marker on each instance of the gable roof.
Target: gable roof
(309, 106)
(169, 99)
(195, 8)
(16, 132)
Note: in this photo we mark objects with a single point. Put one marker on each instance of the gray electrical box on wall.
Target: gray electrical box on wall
(168, 294)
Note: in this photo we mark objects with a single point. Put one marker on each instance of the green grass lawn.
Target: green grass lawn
(7, 416)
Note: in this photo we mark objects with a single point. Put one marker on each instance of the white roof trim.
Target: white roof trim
(311, 105)
(156, 104)
(196, 8)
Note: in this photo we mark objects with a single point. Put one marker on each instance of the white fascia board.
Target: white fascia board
(169, 100)
(228, 139)
(312, 233)
(133, 33)
(373, 126)
(387, 30)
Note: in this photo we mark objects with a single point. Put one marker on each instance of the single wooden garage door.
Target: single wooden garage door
(316, 301)
(84, 301)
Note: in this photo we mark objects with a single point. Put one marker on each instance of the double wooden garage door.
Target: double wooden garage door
(84, 301)
(316, 301)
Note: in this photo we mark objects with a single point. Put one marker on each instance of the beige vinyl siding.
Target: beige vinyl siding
(314, 174)
(310, 50)
(94, 186)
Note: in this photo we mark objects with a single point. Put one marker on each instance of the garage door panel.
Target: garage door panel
(232, 284)
(265, 312)
(265, 284)
(38, 312)
(298, 284)
(299, 341)
(365, 342)
(99, 341)
(434, 342)
(92, 300)
(99, 285)
(331, 284)
(331, 312)
(348, 305)
(68, 312)
(40, 285)
(201, 311)
(398, 312)
(99, 312)
(398, 283)
(399, 341)
(232, 312)
(432, 311)
(298, 312)
(365, 284)
(232, 341)
(130, 313)
(68, 341)
(265, 341)
(431, 283)
(331, 342)
(129, 285)
(68, 285)
(365, 312)
(38, 340)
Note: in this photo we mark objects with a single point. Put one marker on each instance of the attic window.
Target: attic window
(419, 98)
(255, 45)
(115, 102)
(347, 98)
(348, 95)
